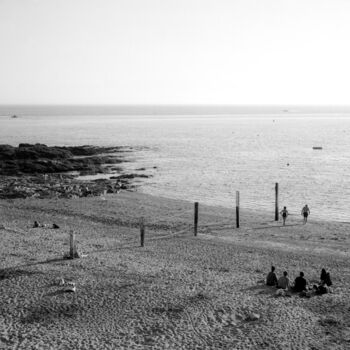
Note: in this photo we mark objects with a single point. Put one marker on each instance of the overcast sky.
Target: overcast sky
(175, 51)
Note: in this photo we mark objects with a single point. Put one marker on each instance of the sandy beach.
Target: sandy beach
(177, 292)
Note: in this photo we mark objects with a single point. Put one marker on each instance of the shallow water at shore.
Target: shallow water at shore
(207, 159)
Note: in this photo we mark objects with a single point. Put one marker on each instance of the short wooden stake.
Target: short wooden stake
(237, 209)
(276, 202)
(72, 250)
(195, 218)
(142, 232)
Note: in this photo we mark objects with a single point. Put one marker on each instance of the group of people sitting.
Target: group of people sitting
(300, 284)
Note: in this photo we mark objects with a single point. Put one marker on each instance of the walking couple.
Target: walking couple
(305, 212)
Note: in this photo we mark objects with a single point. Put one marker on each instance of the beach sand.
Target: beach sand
(177, 292)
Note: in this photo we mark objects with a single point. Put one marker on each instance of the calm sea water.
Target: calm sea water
(207, 159)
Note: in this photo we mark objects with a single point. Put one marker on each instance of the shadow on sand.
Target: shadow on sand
(276, 226)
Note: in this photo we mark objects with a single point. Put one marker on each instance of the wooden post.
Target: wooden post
(237, 209)
(72, 250)
(142, 232)
(195, 218)
(276, 202)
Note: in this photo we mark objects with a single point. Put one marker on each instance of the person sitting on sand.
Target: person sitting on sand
(271, 279)
(283, 282)
(325, 278)
(305, 212)
(325, 283)
(321, 289)
(300, 283)
(284, 214)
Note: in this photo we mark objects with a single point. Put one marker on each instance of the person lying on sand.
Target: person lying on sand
(271, 279)
(37, 224)
(321, 289)
(283, 282)
(300, 283)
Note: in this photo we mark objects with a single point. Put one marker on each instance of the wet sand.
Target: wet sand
(179, 291)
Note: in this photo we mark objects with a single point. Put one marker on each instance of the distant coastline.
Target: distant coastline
(149, 109)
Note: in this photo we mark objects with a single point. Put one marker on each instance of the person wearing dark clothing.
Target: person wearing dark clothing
(305, 212)
(300, 283)
(271, 279)
(284, 214)
(325, 278)
(325, 283)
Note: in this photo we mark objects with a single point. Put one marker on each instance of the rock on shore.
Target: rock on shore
(42, 171)
(41, 159)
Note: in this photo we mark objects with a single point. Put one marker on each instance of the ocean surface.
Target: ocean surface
(209, 158)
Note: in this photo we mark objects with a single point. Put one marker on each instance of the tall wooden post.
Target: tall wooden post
(195, 218)
(276, 202)
(142, 232)
(72, 250)
(237, 209)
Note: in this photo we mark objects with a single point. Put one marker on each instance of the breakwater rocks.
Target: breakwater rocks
(48, 172)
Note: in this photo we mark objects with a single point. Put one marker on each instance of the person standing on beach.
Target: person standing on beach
(284, 214)
(305, 212)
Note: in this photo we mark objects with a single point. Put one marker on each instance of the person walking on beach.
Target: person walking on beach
(284, 214)
(305, 212)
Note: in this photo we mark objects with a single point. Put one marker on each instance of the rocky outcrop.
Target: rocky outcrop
(57, 186)
(41, 159)
(47, 172)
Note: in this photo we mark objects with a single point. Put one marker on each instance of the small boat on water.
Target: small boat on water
(317, 147)
(14, 116)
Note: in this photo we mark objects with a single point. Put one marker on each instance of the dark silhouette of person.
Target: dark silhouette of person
(325, 278)
(305, 212)
(300, 283)
(284, 214)
(271, 279)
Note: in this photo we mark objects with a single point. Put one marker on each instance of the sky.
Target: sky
(174, 52)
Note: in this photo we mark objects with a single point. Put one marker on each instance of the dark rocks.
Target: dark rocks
(50, 172)
(87, 150)
(39, 158)
(129, 176)
(57, 186)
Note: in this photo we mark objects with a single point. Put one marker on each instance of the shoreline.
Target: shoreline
(163, 214)
(268, 214)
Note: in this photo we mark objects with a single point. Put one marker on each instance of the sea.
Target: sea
(207, 158)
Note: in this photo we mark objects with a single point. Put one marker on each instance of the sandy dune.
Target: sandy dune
(179, 291)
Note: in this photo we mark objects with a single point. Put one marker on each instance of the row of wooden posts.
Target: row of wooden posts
(196, 207)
